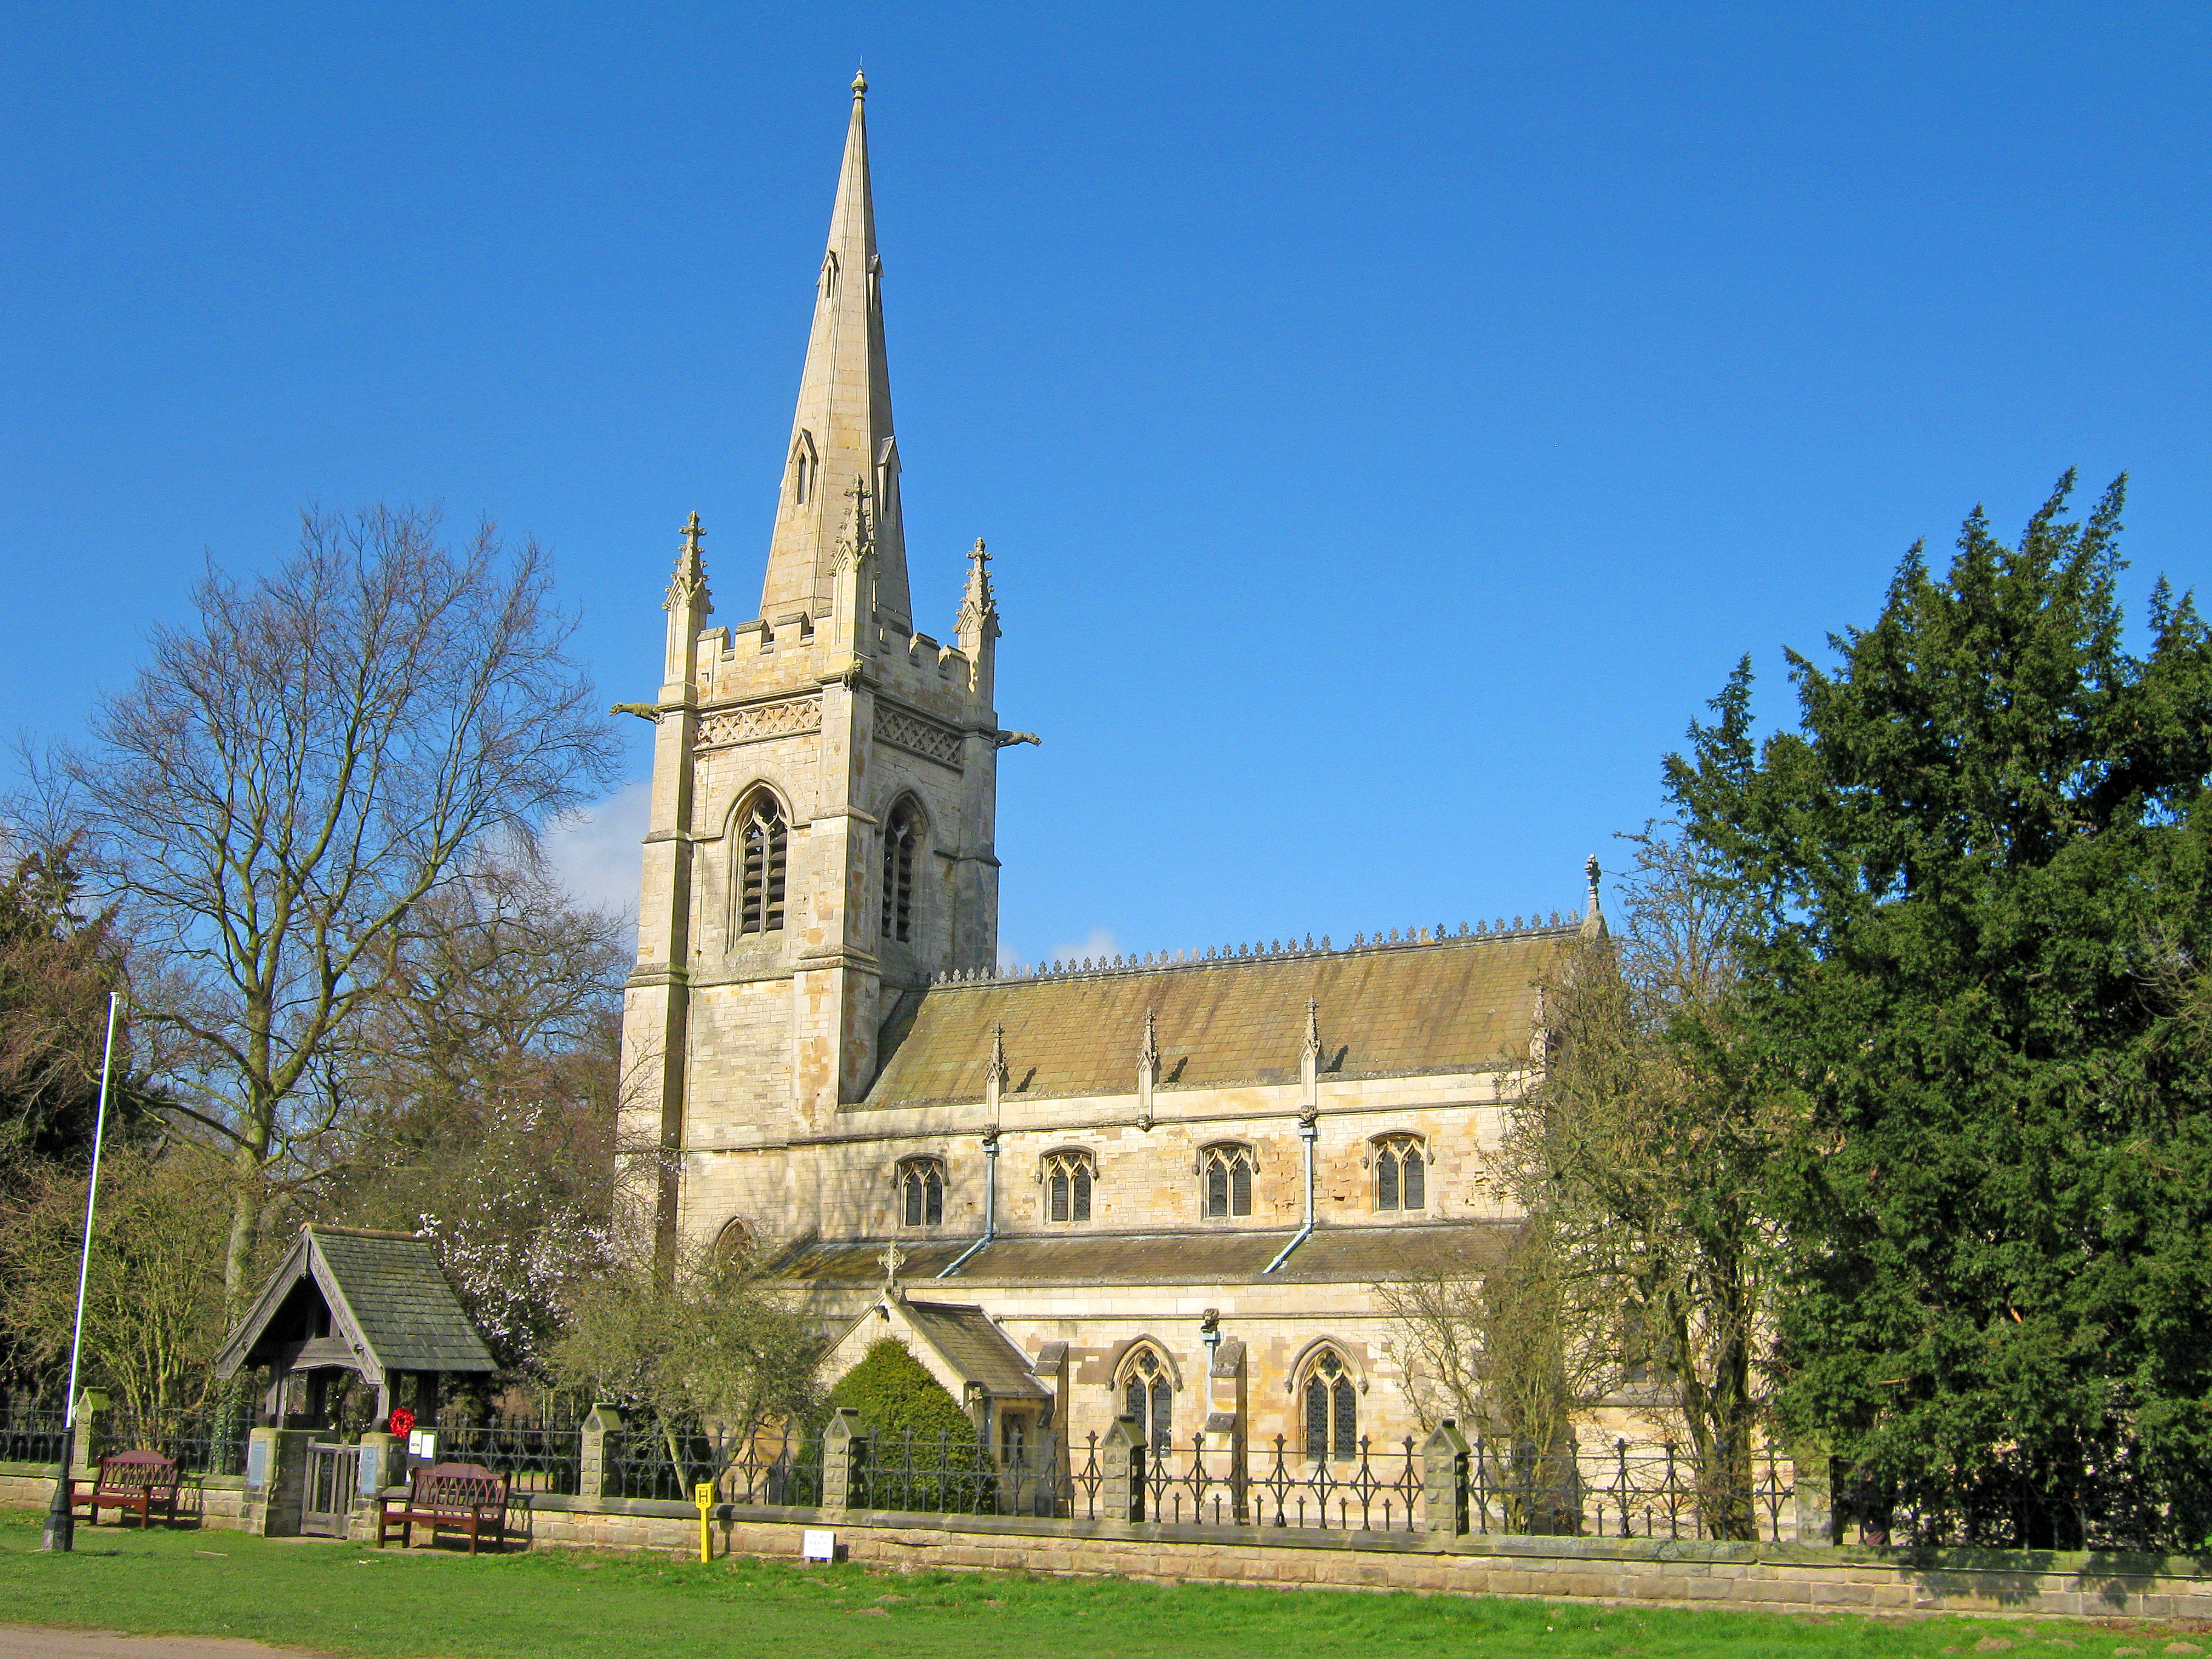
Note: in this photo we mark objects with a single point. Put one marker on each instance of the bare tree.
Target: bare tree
(1649, 1148)
(1514, 1349)
(290, 777)
(484, 1071)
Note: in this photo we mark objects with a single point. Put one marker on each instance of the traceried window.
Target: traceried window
(1225, 1180)
(1067, 1178)
(1401, 1169)
(921, 1192)
(1332, 1409)
(901, 836)
(1148, 1395)
(763, 839)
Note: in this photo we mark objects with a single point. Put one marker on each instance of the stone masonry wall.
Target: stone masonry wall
(1775, 1579)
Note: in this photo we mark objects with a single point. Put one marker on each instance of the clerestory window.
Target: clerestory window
(1400, 1174)
(900, 836)
(1067, 1178)
(921, 1192)
(1332, 1409)
(1225, 1180)
(764, 841)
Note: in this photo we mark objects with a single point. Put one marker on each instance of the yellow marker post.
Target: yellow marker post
(704, 1496)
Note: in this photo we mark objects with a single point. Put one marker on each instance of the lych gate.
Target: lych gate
(375, 1304)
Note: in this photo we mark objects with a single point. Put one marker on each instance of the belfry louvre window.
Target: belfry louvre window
(1148, 1396)
(1400, 1174)
(1332, 1413)
(763, 839)
(1067, 1177)
(900, 835)
(921, 1192)
(1226, 1172)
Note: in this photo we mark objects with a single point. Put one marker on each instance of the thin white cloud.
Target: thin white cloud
(596, 851)
(1100, 944)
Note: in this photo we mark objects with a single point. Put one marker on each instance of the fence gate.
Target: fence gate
(326, 1498)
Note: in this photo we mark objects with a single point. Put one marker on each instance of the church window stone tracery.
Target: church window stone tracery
(1400, 1173)
(1067, 1178)
(1149, 1396)
(921, 1192)
(763, 845)
(1332, 1409)
(1225, 1171)
(900, 836)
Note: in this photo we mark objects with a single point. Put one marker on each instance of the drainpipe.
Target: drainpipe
(1308, 1129)
(1309, 1119)
(991, 1201)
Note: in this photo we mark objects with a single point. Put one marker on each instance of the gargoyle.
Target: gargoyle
(1007, 739)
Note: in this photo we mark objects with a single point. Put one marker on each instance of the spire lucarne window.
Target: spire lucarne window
(762, 839)
(900, 835)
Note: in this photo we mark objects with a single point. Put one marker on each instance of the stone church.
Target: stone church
(1161, 1186)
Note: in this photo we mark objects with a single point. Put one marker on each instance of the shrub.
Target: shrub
(922, 1450)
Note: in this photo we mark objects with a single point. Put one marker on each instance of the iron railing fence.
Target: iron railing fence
(645, 1461)
(1604, 1492)
(210, 1441)
(534, 1454)
(2009, 1508)
(30, 1433)
(1618, 1492)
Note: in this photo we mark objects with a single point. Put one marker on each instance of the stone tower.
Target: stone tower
(824, 780)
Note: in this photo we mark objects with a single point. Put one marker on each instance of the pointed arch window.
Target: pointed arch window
(1332, 1408)
(763, 844)
(829, 279)
(900, 836)
(1225, 1180)
(1067, 1180)
(1148, 1395)
(921, 1192)
(1401, 1168)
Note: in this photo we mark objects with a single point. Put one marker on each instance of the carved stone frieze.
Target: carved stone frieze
(725, 728)
(918, 736)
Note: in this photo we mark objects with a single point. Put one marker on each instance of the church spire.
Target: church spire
(841, 434)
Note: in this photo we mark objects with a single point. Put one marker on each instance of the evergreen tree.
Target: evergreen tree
(1979, 875)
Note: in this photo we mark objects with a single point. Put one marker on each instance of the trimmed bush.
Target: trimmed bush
(922, 1450)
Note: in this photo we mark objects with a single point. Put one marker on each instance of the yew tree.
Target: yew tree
(1975, 875)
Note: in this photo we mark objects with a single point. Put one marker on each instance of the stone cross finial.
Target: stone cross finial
(893, 1259)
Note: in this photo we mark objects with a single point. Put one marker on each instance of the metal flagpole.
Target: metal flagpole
(60, 1532)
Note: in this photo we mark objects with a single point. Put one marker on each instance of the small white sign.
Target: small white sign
(423, 1442)
(818, 1544)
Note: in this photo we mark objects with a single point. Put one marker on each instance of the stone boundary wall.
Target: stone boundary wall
(1765, 1577)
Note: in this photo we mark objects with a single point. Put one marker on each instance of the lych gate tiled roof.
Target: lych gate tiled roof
(389, 1301)
(1360, 1254)
(975, 1347)
(1453, 1005)
(402, 1303)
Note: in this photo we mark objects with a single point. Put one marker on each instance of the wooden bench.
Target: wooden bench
(452, 1496)
(141, 1481)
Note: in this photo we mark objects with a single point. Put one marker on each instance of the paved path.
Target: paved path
(33, 1641)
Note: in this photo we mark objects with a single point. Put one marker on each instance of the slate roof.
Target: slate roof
(975, 1347)
(1460, 1004)
(1362, 1254)
(385, 1291)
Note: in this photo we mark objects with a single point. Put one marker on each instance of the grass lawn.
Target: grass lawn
(576, 1605)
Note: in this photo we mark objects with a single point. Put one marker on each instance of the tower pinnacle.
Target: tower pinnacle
(841, 435)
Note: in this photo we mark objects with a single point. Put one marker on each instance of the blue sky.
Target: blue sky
(1391, 421)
